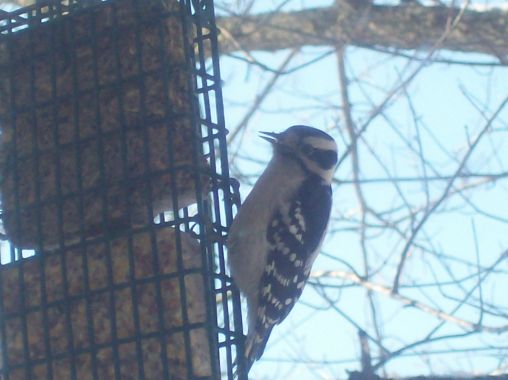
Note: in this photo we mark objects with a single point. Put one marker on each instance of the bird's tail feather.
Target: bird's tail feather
(256, 344)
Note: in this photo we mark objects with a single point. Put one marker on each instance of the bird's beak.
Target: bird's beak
(271, 137)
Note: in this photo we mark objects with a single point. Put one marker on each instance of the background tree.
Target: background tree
(417, 252)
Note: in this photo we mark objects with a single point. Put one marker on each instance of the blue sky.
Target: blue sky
(439, 97)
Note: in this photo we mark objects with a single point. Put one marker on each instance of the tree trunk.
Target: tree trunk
(406, 27)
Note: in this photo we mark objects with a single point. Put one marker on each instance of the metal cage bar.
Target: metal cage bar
(116, 195)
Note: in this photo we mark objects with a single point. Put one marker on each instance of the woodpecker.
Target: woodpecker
(276, 234)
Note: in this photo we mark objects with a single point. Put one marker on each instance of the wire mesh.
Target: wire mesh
(116, 196)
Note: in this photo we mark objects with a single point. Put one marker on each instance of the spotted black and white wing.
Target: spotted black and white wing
(294, 236)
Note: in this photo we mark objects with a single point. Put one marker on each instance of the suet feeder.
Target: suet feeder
(114, 180)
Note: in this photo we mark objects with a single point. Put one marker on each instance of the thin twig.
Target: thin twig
(387, 291)
(474, 144)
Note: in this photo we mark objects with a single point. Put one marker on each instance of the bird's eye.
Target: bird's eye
(307, 149)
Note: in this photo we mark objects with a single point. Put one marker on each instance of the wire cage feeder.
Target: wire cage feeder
(115, 194)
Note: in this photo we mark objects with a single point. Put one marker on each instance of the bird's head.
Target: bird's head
(314, 149)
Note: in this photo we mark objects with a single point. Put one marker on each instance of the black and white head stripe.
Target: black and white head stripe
(316, 145)
(322, 152)
(305, 131)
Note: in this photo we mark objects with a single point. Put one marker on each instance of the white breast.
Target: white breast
(247, 244)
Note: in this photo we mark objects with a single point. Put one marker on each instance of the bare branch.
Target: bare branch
(387, 291)
(399, 27)
(474, 144)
